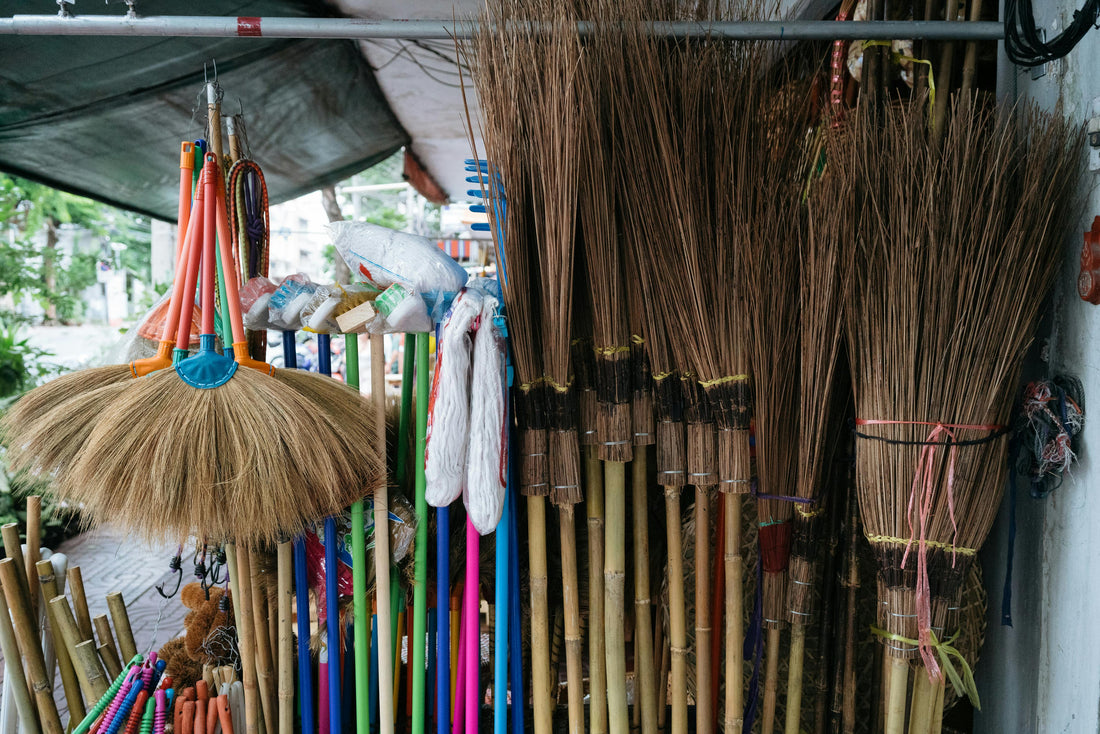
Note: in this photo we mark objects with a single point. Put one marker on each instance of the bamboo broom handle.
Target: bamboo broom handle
(922, 701)
(794, 678)
(117, 607)
(735, 625)
(107, 658)
(597, 675)
(89, 671)
(771, 681)
(676, 611)
(34, 547)
(897, 683)
(615, 595)
(943, 78)
(13, 578)
(47, 580)
(246, 642)
(13, 670)
(265, 679)
(937, 708)
(704, 705)
(382, 542)
(13, 549)
(970, 59)
(80, 603)
(286, 638)
(213, 109)
(106, 640)
(574, 644)
(540, 617)
(643, 625)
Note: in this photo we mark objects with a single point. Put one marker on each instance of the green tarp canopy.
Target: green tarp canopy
(104, 116)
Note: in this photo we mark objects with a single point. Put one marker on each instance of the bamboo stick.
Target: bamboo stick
(676, 605)
(794, 678)
(108, 660)
(897, 681)
(13, 578)
(937, 709)
(246, 641)
(734, 623)
(117, 607)
(286, 638)
(662, 680)
(47, 580)
(89, 670)
(540, 622)
(574, 643)
(13, 549)
(848, 710)
(265, 677)
(970, 59)
(922, 703)
(771, 677)
(704, 705)
(80, 603)
(382, 543)
(597, 676)
(106, 640)
(14, 675)
(34, 546)
(644, 663)
(614, 594)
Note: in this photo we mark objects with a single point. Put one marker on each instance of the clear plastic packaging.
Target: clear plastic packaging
(255, 299)
(402, 310)
(383, 257)
(288, 300)
(329, 301)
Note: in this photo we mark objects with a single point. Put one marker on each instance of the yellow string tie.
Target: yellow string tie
(528, 386)
(634, 338)
(557, 387)
(898, 57)
(661, 376)
(963, 683)
(934, 544)
(723, 380)
(611, 351)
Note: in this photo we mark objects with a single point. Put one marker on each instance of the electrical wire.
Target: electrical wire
(1023, 42)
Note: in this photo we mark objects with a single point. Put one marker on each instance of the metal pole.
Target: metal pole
(359, 28)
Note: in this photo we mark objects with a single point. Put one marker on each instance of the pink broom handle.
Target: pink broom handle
(458, 721)
(190, 279)
(473, 627)
(183, 260)
(208, 236)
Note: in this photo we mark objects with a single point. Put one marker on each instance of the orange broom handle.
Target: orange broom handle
(208, 235)
(232, 290)
(183, 260)
(194, 257)
(187, 167)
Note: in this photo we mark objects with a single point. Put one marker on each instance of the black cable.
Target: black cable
(1026, 47)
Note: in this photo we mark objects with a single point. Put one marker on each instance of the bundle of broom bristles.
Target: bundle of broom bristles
(703, 239)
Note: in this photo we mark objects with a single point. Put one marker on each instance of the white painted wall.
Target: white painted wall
(1043, 674)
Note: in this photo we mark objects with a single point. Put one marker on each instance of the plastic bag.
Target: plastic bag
(288, 300)
(255, 299)
(402, 310)
(383, 257)
(329, 301)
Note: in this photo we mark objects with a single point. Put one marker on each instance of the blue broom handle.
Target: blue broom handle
(443, 624)
(305, 673)
(290, 352)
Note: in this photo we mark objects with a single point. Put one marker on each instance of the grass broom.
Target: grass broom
(496, 56)
(937, 344)
(259, 422)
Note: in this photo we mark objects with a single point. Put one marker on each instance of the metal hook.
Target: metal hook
(176, 567)
(218, 566)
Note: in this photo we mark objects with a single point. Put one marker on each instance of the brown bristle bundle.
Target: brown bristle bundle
(775, 600)
(534, 463)
(613, 366)
(251, 460)
(702, 435)
(734, 461)
(565, 467)
(641, 409)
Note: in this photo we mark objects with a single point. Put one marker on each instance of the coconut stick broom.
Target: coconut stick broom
(497, 55)
(937, 344)
(821, 283)
(770, 217)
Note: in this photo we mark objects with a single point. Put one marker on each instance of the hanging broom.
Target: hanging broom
(497, 55)
(821, 285)
(178, 441)
(937, 343)
(771, 223)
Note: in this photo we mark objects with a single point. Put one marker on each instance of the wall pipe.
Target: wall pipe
(361, 28)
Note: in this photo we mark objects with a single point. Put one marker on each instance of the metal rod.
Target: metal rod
(360, 28)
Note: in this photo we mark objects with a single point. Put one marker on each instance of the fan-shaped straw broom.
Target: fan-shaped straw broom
(179, 442)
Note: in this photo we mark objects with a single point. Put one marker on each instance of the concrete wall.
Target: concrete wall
(1043, 674)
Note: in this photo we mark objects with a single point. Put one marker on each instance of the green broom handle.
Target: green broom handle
(359, 572)
(106, 698)
(406, 409)
(420, 577)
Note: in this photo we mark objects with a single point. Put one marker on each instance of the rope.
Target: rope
(249, 217)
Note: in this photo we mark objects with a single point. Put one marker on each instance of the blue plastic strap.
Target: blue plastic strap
(207, 369)
(1006, 594)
